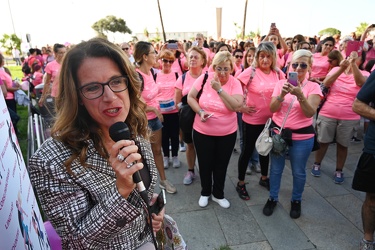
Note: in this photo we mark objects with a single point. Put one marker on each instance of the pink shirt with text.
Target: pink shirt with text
(320, 65)
(166, 83)
(149, 93)
(223, 121)
(341, 96)
(259, 94)
(296, 119)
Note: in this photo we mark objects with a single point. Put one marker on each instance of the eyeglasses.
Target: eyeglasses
(96, 89)
(167, 61)
(295, 41)
(238, 56)
(302, 65)
(222, 69)
(124, 49)
(194, 57)
(328, 44)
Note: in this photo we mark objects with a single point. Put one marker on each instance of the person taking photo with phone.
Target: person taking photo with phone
(295, 106)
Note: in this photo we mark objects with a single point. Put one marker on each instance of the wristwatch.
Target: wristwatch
(200, 111)
(220, 90)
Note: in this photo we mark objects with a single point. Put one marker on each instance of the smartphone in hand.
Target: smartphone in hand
(159, 203)
(354, 46)
(172, 46)
(273, 25)
(293, 78)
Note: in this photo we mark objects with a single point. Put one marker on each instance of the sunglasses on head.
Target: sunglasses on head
(167, 61)
(238, 56)
(302, 65)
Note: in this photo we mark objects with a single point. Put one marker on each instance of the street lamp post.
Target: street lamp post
(161, 20)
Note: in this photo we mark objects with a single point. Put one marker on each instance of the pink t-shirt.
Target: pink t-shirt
(370, 55)
(259, 94)
(149, 93)
(341, 96)
(165, 97)
(7, 79)
(296, 119)
(320, 65)
(38, 78)
(53, 69)
(176, 66)
(280, 58)
(188, 83)
(223, 121)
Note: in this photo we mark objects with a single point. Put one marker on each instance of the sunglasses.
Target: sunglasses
(167, 61)
(302, 65)
(329, 45)
(295, 41)
(238, 56)
(125, 49)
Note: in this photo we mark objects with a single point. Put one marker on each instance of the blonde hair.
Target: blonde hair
(223, 56)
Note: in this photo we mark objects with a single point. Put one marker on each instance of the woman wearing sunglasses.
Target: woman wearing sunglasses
(301, 101)
(320, 65)
(336, 119)
(166, 80)
(258, 81)
(238, 56)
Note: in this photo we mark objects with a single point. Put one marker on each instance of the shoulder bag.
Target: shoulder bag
(187, 114)
(264, 142)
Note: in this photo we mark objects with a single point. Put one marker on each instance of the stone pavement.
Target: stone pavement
(330, 219)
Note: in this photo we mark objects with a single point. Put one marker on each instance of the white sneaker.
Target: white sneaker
(224, 203)
(182, 147)
(166, 162)
(256, 167)
(176, 162)
(203, 201)
(248, 170)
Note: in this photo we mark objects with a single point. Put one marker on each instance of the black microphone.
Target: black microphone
(120, 131)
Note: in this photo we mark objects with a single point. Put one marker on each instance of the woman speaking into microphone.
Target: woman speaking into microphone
(84, 179)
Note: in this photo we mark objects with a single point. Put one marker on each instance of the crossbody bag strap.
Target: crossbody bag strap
(287, 113)
(203, 83)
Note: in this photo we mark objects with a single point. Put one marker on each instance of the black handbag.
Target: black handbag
(187, 114)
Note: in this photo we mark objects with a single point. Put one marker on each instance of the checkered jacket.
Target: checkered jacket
(86, 209)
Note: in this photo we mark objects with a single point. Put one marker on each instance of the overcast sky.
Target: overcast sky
(51, 21)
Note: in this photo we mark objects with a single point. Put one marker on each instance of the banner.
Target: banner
(21, 224)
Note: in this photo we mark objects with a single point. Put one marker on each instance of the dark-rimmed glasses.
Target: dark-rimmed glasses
(167, 61)
(96, 89)
(302, 65)
(125, 49)
(238, 56)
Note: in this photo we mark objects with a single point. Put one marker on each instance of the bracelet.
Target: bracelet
(219, 91)
(279, 98)
(200, 111)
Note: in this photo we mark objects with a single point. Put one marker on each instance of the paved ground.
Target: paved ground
(331, 213)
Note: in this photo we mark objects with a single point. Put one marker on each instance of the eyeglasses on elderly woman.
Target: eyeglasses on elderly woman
(302, 65)
(96, 89)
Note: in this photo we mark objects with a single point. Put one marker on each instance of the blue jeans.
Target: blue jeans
(298, 155)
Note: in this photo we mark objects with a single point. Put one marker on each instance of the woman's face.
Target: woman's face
(60, 54)
(195, 60)
(327, 47)
(264, 60)
(274, 39)
(222, 71)
(200, 41)
(333, 62)
(150, 57)
(111, 107)
(294, 44)
(238, 58)
(166, 64)
(250, 57)
(302, 66)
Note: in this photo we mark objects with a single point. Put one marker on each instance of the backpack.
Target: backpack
(26, 68)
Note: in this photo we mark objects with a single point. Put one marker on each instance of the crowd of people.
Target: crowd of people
(233, 87)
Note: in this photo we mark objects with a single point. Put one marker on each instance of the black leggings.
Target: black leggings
(213, 154)
(170, 130)
(250, 135)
